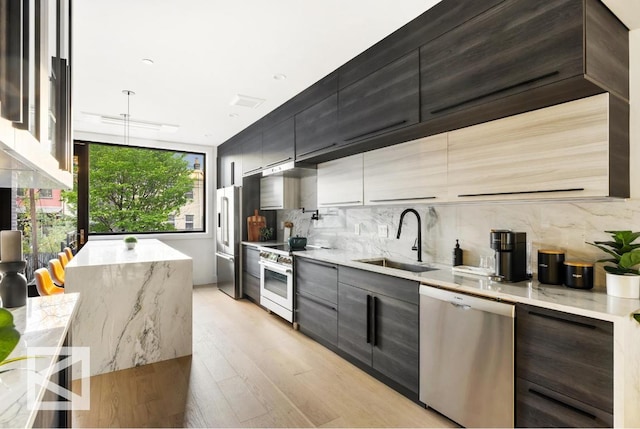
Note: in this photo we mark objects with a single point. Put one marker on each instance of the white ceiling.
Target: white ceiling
(207, 51)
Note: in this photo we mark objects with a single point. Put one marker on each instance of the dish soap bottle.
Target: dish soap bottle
(457, 255)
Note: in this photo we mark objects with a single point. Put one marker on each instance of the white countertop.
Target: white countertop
(108, 252)
(42, 322)
(591, 303)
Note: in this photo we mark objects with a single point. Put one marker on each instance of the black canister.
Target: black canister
(551, 266)
(578, 274)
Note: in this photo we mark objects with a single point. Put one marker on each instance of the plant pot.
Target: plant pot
(130, 246)
(623, 286)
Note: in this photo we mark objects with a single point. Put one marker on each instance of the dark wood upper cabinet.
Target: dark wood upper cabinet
(519, 46)
(317, 128)
(252, 154)
(385, 100)
(278, 143)
(230, 165)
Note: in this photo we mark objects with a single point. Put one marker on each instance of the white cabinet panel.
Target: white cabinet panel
(279, 192)
(557, 152)
(340, 182)
(412, 172)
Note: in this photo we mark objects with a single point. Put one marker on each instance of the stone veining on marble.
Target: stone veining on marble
(568, 225)
(143, 310)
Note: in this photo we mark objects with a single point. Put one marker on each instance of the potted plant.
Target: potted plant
(9, 337)
(623, 280)
(130, 242)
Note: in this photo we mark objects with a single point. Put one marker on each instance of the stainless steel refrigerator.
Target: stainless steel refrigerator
(228, 236)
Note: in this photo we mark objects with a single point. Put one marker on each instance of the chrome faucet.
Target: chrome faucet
(418, 245)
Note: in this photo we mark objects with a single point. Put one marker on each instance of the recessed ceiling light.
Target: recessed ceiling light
(279, 76)
(246, 101)
(233, 115)
(147, 61)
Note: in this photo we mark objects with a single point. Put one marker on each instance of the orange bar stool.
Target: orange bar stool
(57, 272)
(62, 257)
(44, 284)
(68, 252)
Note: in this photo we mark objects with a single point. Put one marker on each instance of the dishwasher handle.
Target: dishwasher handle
(469, 302)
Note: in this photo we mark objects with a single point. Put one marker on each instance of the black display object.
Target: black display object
(13, 285)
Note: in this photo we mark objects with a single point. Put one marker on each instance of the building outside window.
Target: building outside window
(188, 221)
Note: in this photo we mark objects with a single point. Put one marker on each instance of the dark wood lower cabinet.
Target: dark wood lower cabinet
(380, 331)
(564, 369)
(537, 406)
(251, 286)
(317, 319)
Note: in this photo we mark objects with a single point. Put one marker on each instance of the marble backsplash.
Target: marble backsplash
(566, 225)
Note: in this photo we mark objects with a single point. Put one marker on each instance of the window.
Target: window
(46, 193)
(189, 194)
(144, 190)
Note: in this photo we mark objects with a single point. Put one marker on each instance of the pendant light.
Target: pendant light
(127, 116)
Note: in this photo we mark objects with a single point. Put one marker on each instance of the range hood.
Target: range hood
(290, 169)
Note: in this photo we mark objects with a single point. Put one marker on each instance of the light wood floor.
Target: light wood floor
(248, 369)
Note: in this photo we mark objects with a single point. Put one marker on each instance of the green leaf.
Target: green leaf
(6, 318)
(9, 338)
(629, 260)
(637, 317)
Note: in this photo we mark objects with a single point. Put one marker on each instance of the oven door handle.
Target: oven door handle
(275, 267)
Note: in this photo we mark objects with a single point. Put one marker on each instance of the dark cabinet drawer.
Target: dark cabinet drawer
(405, 290)
(537, 406)
(384, 101)
(316, 278)
(317, 128)
(278, 143)
(317, 318)
(250, 257)
(513, 47)
(251, 286)
(566, 353)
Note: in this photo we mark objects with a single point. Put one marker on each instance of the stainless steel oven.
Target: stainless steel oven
(276, 282)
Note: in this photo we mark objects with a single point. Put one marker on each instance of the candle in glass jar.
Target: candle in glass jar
(10, 246)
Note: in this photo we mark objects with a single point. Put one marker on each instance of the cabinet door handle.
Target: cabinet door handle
(340, 202)
(322, 264)
(318, 150)
(561, 403)
(497, 91)
(544, 191)
(368, 319)
(383, 200)
(270, 207)
(278, 162)
(316, 301)
(253, 171)
(374, 321)
(560, 319)
(377, 130)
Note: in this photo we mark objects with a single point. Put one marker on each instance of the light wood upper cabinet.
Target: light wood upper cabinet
(340, 182)
(561, 151)
(412, 172)
(279, 193)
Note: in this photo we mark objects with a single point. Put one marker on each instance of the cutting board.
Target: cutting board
(254, 223)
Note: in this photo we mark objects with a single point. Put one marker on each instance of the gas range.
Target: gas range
(279, 254)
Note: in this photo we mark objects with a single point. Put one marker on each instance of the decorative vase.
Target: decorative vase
(13, 286)
(130, 246)
(623, 286)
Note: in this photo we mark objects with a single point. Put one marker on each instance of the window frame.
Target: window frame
(206, 154)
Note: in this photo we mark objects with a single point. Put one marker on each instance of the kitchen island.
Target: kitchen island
(135, 305)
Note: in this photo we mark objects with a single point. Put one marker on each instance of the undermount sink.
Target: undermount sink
(390, 263)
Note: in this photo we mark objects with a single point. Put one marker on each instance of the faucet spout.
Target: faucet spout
(419, 239)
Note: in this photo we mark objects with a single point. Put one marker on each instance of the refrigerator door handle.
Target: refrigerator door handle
(225, 221)
(226, 257)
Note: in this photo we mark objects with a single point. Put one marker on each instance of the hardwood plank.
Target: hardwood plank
(242, 401)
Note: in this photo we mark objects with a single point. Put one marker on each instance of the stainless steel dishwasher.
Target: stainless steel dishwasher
(466, 357)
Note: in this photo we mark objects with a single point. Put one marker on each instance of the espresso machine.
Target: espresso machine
(511, 254)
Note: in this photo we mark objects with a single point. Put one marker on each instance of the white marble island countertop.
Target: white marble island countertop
(108, 252)
(591, 303)
(42, 322)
